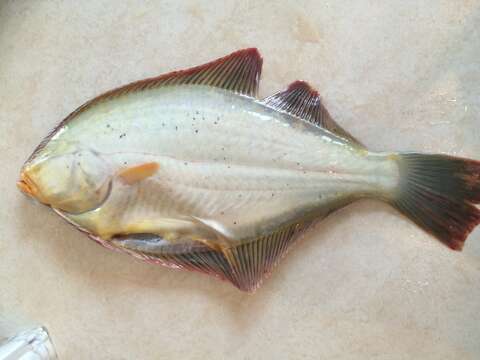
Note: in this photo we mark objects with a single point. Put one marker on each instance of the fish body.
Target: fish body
(218, 156)
(191, 170)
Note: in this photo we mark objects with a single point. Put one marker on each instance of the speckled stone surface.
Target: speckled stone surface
(364, 284)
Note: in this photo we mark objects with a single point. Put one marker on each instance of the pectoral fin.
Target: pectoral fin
(133, 174)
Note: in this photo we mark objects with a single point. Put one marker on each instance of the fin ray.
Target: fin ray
(245, 265)
(238, 72)
(438, 193)
(302, 101)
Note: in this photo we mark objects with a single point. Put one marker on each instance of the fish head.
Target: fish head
(66, 178)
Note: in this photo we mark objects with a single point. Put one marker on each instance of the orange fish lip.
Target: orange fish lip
(23, 187)
(28, 187)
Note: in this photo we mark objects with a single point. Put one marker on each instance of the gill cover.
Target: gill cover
(74, 182)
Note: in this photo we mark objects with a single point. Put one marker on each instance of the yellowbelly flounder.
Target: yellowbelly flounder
(191, 170)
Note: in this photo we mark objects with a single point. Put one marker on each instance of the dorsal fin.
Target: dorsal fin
(238, 72)
(301, 100)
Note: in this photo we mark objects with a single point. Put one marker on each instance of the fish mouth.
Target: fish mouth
(24, 187)
(28, 187)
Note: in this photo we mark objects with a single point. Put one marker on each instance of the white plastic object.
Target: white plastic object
(33, 344)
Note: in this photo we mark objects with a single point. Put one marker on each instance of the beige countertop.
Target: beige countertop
(364, 284)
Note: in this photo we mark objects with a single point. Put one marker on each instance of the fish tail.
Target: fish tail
(438, 193)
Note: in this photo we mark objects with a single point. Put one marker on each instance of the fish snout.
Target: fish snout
(27, 186)
(23, 187)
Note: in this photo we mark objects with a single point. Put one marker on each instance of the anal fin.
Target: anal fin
(253, 261)
(244, 265)
(189, 255)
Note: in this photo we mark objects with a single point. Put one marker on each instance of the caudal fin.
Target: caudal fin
(437, 192)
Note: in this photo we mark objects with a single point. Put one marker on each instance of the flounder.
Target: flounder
(191, 170)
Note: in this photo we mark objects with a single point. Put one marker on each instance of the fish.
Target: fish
(191, 170)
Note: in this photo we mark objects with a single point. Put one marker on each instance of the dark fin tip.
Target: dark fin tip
(437, 192)
(303, 101)
(302, 84)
